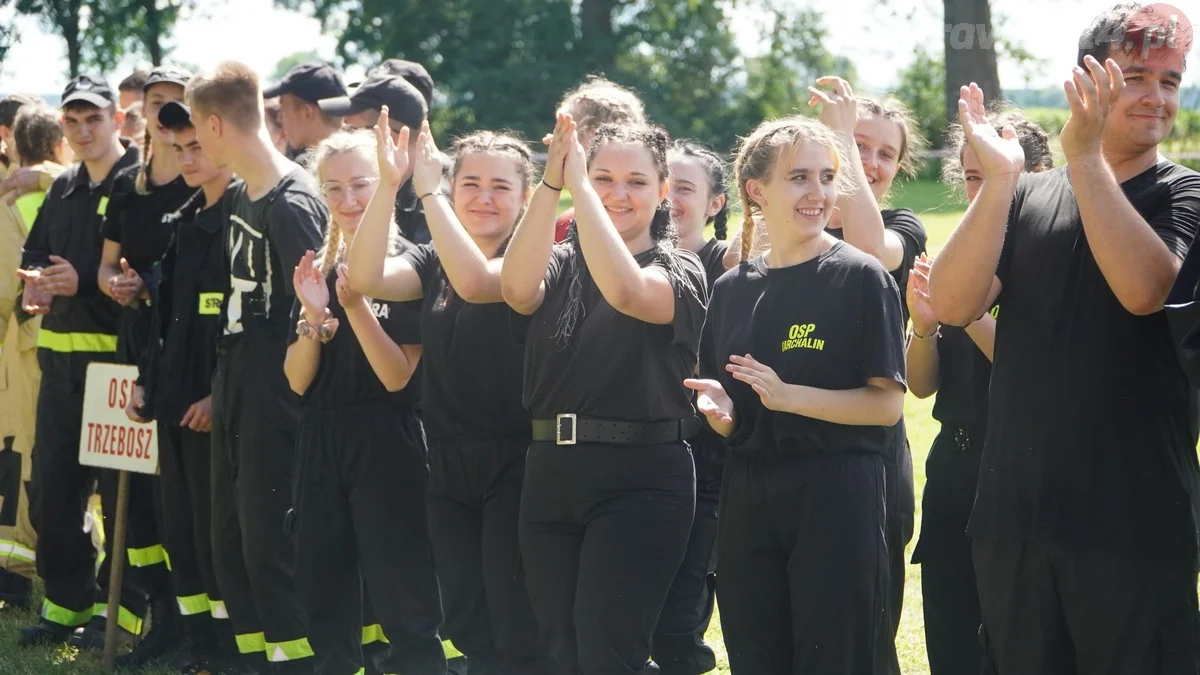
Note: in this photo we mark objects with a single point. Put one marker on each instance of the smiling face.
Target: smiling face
(797, 201)
(488, 195)
(156, 97)
(879, 146)
(692, 201)
(1144, 113)
(349, 180)
(628, 182)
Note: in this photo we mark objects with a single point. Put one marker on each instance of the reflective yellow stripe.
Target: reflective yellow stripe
(191, 605)
(291, 650)
(103, 208)
(217, 607)
(63, 616)
(167, 560)
(76, 342)
(450, 649)
(210, 303)
(251, 643)
(145, 557)
(125, 618)
(373, 633)
(11, 549)
(28, 206)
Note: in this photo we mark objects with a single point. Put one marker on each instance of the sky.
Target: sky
(259, 34)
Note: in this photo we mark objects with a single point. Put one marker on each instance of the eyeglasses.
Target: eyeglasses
(336, 192)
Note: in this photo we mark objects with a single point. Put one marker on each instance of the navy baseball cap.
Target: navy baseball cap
(310, 82)
(174, 114)
(89, 90)
(412, 71)
(405, 104)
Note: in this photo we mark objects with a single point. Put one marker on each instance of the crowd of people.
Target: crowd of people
(413, 419)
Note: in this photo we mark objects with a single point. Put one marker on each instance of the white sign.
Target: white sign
(108, 438)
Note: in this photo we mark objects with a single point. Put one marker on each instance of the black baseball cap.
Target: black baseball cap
(88, 89)
(169, 74)
(412, 71)
(311, 82)
(174, 114)
(405, 104)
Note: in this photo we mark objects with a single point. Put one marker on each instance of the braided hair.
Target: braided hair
(662, 229)
(717, 185)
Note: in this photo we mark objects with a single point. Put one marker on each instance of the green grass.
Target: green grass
(939, 211)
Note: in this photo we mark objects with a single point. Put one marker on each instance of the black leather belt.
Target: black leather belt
(569, 429)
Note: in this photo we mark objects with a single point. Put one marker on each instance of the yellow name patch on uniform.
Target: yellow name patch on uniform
(210, 303)
(103, 208)
(800, 336)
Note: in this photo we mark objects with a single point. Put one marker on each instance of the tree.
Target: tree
(970, 50)
(119, 28)
(291, 61)
(61, 17)
(921, 87)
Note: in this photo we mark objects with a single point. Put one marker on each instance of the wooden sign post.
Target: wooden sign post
(110, 440)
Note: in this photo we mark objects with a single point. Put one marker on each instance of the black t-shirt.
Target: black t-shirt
(471, 366)
(964, 373)
(708, 447)
(614, 367)
(1091, 429)
(832, 322)
(344, 376)
(264, 242)
(142, 224)
(912, 233)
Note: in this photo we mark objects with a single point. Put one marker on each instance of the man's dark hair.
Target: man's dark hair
(10, 105)
(136, 81)
(38, 133)
(1132, 27)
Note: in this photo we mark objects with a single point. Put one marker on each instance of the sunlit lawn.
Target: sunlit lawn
(939, 211)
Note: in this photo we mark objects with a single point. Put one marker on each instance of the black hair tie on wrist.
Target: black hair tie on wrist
(556, 189)
(422, 197)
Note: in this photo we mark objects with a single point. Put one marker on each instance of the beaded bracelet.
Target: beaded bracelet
(322, 333)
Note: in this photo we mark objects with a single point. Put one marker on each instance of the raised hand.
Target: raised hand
(60, 278)
(1000, 154)
(711, 400)
(917, 297)
(575, 166)
(311, 289)
(839, 108)
(347, 297)
(556, 154)
(761, 378)
(393, 154)
(126, 287)
(1091, 94)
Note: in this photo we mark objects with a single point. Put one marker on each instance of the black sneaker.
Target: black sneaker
(44, 633)
(91, 636)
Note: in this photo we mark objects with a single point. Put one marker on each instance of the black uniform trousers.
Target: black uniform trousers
(474, 511)
(948, 589)
(361, 520)
(679, 647)
(186, 499)
(59, 492)
(1049, 609)
(803, 564)
(145, 562)
(255, 420)
(603, 531)
(900, 517)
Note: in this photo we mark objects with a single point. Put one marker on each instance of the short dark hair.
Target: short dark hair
(11, 105)
(38, 133)
(136, 81)
(1130, 27)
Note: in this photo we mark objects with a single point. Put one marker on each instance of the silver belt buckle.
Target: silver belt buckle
(558, 429)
